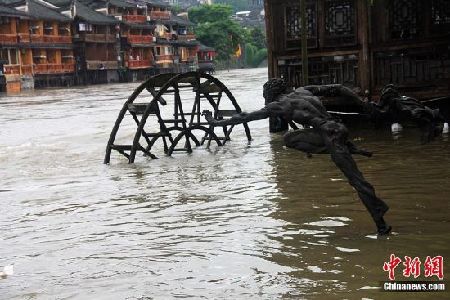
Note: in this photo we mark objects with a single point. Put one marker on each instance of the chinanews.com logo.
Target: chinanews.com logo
(431, 269)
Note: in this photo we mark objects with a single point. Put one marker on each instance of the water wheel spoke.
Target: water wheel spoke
(165, 89)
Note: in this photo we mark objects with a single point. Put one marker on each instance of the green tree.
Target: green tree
(176, 9)
(237, 5)
(257, 37)
(216, 29)
(209, 13)
(254, 56)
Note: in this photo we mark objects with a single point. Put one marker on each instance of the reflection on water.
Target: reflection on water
(241, 221)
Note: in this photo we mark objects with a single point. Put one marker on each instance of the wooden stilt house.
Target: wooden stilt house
(363, 44)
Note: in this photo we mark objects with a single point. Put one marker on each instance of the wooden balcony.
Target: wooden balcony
(57, 39)
(101, 65)
(12, 69)
(54, 68)
(139, 64)
(160, 15)
(135, 18)
(98, 37)
(140, 39)
(166, 35)
(27, 69)
(160, 59)
(8, 38)
(186, 37)
(51, 39)
(24, 37)
(36, 38)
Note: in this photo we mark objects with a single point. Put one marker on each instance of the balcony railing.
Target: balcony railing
(54, 68)
(135, 18)
(139, 64)
(12, 69)
(186, 37)
(8, 38)
(98, 37)
(36, 38)
(24, 37)
(101, 65)
(27, 69)
(164, 58)
(140, 39)
(160, 15)
(166, 35)
(57, 39)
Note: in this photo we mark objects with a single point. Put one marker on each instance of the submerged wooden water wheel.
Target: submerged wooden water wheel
(175, 103)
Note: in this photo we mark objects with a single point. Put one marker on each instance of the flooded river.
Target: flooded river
(246, 221)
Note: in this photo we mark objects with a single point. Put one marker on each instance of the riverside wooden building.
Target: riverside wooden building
(65, 42)
(36, 41)
(364, 44)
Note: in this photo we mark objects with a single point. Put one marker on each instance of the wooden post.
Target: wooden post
(269, 37)
(304, 33)
(364, 53)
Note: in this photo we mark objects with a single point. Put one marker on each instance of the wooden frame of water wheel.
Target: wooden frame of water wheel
(205, 87)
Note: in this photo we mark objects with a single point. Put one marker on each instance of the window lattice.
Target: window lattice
(293, 22)
(339, 18)
(404, 18)
(441, 12)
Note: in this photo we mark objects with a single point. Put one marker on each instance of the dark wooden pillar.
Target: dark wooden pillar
(364, 67)
(269, 36)
(304, 46)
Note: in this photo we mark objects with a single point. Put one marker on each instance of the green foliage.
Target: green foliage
(210, 13)
(216, 29)
(224, 35)
(258, 37)
(254, 56)
(237, 5)
(176, 9)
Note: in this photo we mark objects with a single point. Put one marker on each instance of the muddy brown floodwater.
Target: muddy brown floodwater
(255, 221)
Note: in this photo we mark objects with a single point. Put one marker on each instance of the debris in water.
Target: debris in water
(396, 128)
(7, 271)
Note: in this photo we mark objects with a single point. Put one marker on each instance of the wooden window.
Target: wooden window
(4, 54)
(440, 10)
(34, 27)
(293, 25)
(340, 22)
(403, 19)
(48, 28)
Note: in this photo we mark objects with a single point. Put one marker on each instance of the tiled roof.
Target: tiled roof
(38, 10)
(174, 20)
(10, 12)
(91, 16)
(205, 48)
(122, 3)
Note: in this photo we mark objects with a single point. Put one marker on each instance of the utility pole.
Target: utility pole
(304, 34)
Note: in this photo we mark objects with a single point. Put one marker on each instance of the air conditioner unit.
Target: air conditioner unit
(119, 18)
